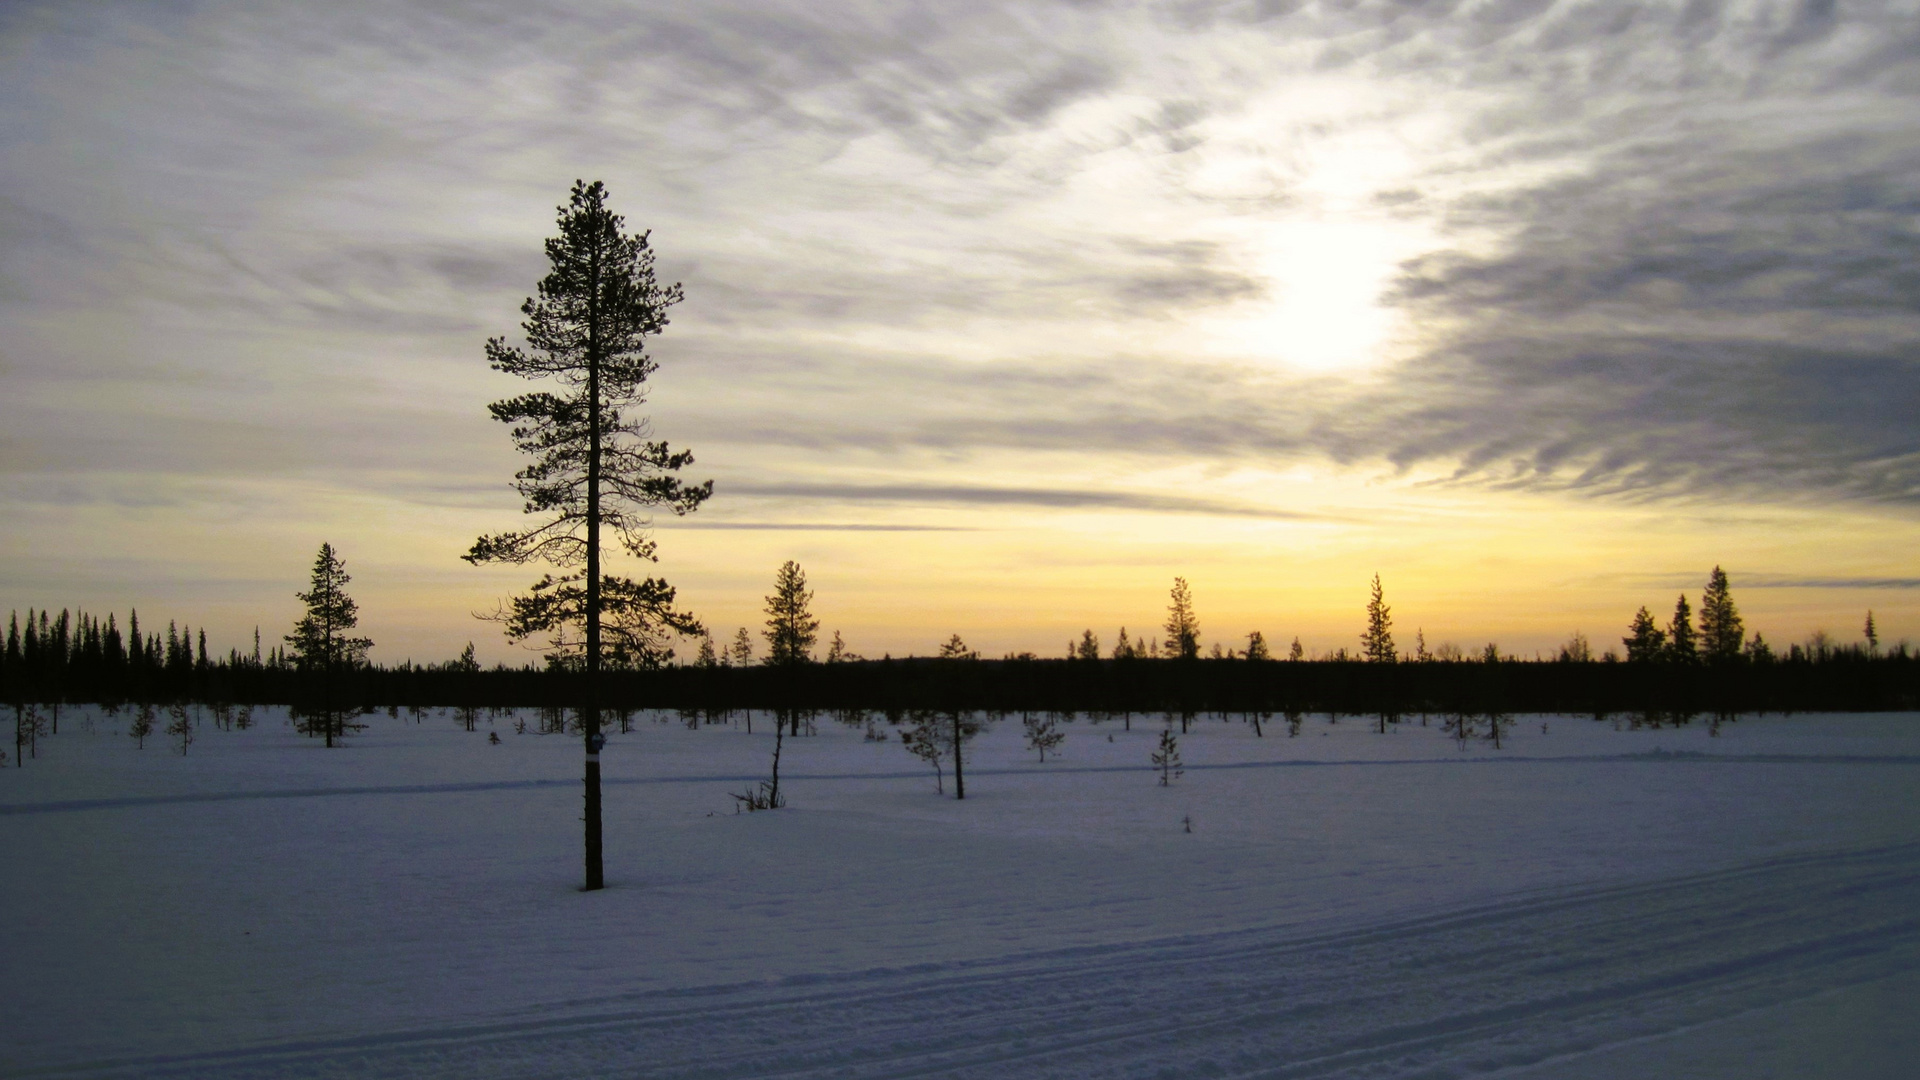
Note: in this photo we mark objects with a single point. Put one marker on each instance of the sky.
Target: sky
(998, 316)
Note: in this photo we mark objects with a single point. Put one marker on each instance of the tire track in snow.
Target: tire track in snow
(1491, 986)
(1688, 758)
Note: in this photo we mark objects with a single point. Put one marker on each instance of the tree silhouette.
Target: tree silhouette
(1043, 733)
(141, 725)
(1721, 631)
(791, 628)
(593, 465)
(1645, 641)
(956, 649)
(1088, 647)
(1257, 646)
(923, 739)
(838, 653)
(1183, 629)
(1377, 642)
(319, 644)
(1682, 646)
(1166, 758)
(181, 727)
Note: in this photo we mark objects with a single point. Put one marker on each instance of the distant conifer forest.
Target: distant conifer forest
(1699, 666)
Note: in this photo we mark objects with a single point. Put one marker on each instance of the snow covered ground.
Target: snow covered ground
(1586, 902)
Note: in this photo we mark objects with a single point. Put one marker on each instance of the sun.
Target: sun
(1326, 308)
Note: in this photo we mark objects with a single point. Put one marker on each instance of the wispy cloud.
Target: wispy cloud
(1052, 498)
(802, 526)
(1761, 580)
(1666, 252)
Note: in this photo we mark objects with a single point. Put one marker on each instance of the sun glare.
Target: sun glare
(1324, 311)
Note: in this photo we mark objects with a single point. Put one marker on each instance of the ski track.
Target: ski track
(1652, 757)
(1492, 986)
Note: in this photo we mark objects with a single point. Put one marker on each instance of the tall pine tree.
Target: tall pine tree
(593, 466)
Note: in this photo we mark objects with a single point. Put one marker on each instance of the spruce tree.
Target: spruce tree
(593, 465)
(924, 739)
(1183, 628)
(1645, 641)
(1721, 631)
(1166, 758)
(1043, 732)
(956, 649)
(1088, 647)
(1682, 646)
(1377, 642)
(321, 647)
(1257, 646)
(181, 727)
(141, 725)
(791, 628)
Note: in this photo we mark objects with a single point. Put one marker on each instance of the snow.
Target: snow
(1584, 902)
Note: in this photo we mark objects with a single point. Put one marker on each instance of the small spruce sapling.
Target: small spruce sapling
(28, 725)
(1166, 758)
(141, 726)
(922, 739)
(1497, 722)
(1461, 725)
(181, 727)
(1043, 733)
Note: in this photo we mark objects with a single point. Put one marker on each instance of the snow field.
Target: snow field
(1347, 903)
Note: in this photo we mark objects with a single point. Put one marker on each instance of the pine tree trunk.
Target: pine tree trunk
(773, 795)
(959, 778)
(590, 714)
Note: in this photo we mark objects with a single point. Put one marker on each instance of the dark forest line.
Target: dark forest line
(63, 660)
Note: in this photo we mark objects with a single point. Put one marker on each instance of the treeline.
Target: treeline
(53, 660)
(66, 658)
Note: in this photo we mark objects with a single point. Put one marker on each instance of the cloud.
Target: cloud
(1718, 295)
(1679, 257)
(1759, 580)
(801, 526)
(1764, 581)
(987, 495)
